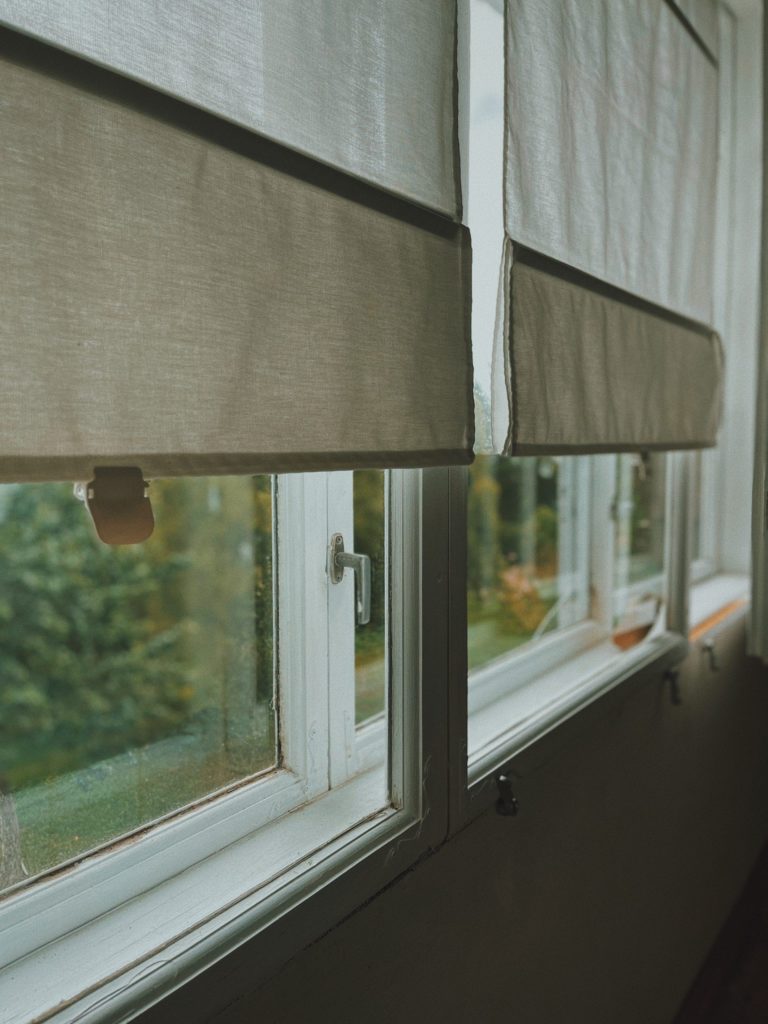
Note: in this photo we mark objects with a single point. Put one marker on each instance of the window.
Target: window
(527, 571)
(566, 589)
(532, 523)
(140, 680)
(216, 659)
(639, 512)
(565, 555)
(136, 680)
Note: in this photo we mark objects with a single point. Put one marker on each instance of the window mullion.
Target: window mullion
(711, 491)
(302, 532)
(572, 540)
(341, 638)
(677, 547)
(603, 540)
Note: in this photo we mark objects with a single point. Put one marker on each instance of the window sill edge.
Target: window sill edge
(648, 661)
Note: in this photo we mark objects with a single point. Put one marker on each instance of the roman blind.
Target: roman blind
(186, 295)
(609, 180)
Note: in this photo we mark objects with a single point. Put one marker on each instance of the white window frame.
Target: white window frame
(592, 518)
(109, 936)
(491, 681)
(536, 691)
(531, 689)
(704, 561)
(369, 738)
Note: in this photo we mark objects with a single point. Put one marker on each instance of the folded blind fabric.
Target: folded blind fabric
(182, 296)
(702, 16)
(593, 364)
(610, 170)
(364, 85)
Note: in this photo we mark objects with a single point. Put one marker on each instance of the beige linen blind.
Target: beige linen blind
(182, 295)
(610, 175)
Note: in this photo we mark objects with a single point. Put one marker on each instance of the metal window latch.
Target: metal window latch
(672, 676)
(507, 803)
(708, 647)
(338, 561)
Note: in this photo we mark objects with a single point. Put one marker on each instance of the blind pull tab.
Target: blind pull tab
(118, 503)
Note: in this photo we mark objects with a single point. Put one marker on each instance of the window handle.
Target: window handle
(338, 561)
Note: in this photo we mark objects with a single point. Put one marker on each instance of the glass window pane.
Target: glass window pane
(133, 680)
(639, 555)
(370, 640)
(526, 572)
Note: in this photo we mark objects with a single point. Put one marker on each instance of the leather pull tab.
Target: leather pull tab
(120, 509)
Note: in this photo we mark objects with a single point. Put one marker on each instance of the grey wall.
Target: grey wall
(638, 827)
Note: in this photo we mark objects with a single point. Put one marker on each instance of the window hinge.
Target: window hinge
(507, 803)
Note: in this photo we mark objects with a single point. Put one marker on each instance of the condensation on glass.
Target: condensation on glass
(525, 547)
(134, 681)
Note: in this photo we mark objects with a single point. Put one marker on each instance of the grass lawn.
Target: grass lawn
(486, 640)
(69, 815)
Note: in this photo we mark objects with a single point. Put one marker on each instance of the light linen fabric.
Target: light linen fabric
(483, 163)
(592, 373)
(612, 145)
(363, 85)
(174, 303)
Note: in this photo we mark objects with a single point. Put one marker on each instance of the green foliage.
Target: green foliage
(483, 523)
(546, 528)
(369, 540)
(109, 649)
(503, 532)
(83, 672)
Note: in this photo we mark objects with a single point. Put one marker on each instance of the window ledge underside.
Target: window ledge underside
(543, 704)
(121, 961)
